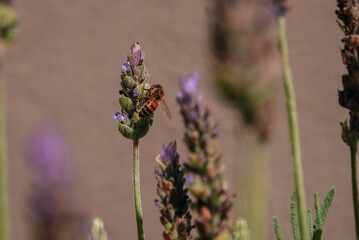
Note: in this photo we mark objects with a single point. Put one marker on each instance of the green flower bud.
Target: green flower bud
(126, 104)
(126, 131)
(168, 227)
(128, 82)
(142, 131)
(141, 89)
(97, 230)
(142, 121)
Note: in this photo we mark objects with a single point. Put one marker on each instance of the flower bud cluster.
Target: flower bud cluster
(246, 61)
(207, 184)
(134, 88)
(348, 20)
(174, 201)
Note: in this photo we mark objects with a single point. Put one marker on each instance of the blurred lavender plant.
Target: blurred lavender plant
(208, 186)
(8, 33)
(348, 20)
(245, 59)
(55, 214)
(245, 67)
(174, 201)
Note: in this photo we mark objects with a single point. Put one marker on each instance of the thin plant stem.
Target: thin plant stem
(136, 188)
(293, 128)
(252, 195)
(4, 225)
(259, 193)
(354, 163)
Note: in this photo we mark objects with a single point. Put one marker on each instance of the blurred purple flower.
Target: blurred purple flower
(126, 67)
(121, 117)
(48, 157)
(189, 179)
(188, 88)
(169, 153)
(136, 94)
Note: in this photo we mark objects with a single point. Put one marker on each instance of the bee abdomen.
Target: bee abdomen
(148, 108)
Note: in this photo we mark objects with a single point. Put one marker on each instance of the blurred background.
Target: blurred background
(64, 72)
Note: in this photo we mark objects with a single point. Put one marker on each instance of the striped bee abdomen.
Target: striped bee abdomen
(149, 107)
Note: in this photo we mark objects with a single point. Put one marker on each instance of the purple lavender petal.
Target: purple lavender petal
(189, 179)
(190, 84)
(136, 94)
(117, 115)
(126, 67)
(169, 153)
(188, 89)
(123, 117)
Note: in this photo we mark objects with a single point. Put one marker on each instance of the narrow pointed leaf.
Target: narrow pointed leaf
(327, 203)
(277, 230)
(319, 219)
(294, 216)
(310, 223)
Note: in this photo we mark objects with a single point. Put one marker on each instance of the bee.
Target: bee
(155, 96)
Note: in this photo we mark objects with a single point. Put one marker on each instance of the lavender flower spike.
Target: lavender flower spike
(174, 201)
(134, 85)
(211, 201)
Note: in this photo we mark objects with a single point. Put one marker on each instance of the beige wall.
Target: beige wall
(65, 70)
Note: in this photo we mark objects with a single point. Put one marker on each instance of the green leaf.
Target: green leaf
(317, 234)
(294, 216)
(277, 230)
(310, 223)
(318, 212)
(326, 204)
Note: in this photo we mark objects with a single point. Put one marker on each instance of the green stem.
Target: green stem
(4, 226)
(293, 128)
(252, 185)
(354, 163)
(136, 186)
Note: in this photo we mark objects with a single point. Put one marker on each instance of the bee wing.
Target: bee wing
(164, 107)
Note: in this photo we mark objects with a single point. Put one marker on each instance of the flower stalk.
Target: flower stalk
(293, 127)
(4, 215)
(137, 192)
(354, 167)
